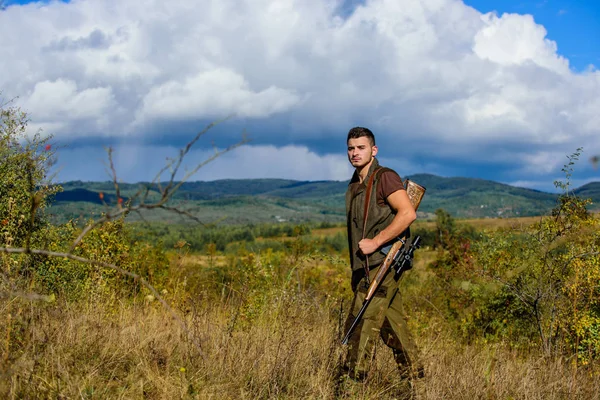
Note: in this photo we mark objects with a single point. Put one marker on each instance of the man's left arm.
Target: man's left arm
(405, 215)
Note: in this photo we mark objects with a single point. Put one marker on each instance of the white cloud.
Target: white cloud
(60, 100)
(516, 40)
(212, 94)
(544, 162)
(59, 106)
(436, 74)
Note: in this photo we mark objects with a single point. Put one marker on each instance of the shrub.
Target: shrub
(547, 278)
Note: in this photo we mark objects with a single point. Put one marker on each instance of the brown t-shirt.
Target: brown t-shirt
(389, 182)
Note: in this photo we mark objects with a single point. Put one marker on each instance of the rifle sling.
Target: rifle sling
(366, 214)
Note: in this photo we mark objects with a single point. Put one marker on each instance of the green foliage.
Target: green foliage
(24, 194)
(451, 288)
(112, 243)
(568, 171)
(446, 228)
(226, 238)
(528, 286)
(23, 172)
(546, 279)
(253, 274)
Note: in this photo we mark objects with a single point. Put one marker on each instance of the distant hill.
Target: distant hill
(271, 200)
(478, 198)
(589, 191)
(81, 194)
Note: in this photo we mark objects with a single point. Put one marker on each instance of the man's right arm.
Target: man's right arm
(405, 215)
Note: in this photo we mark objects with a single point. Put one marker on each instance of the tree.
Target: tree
(548, 276)
(25, 185)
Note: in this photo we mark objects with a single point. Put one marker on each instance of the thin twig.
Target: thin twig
(167, 193)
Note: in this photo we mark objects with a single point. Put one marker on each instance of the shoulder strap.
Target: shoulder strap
(368, 198)
(378, 171)
(366, 214)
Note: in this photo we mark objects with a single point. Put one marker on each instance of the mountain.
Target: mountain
(82, 195)
(479, 198)
(264, 200)
(589, 191)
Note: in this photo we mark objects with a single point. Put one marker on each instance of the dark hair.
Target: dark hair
(359, 131)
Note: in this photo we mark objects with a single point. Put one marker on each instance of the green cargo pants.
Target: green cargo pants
(384, 317)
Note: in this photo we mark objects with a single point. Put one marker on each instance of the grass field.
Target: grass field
(286, 349)
(263, 325)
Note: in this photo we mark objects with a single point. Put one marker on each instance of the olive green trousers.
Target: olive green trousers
(385, 318)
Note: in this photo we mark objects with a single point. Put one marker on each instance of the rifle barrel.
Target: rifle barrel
(356, 320)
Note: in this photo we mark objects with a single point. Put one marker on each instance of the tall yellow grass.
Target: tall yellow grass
(134, 350)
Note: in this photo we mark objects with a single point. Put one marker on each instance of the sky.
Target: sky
(503, 90)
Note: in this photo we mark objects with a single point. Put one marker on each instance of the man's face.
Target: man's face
(360, 151)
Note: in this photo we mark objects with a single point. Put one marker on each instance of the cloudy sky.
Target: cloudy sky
(502, 90)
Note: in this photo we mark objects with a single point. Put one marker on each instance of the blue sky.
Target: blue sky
(573, 24)
(499, 90)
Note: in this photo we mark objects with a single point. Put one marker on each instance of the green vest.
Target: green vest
(379, 217)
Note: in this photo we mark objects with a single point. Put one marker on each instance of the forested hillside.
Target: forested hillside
(271, 200)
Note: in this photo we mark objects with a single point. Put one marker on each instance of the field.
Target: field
(137, 351)
(262, 325)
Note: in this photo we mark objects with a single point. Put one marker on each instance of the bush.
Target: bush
(23, 172)
(24, 193)
(545, 279)
(111, 243)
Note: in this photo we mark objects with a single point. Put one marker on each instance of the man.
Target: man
(388, 213)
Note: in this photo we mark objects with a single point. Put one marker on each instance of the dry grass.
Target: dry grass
(496, 372)
(321, 232)
(483, 223)
(288, 351)
(137, 351)
(477, 223)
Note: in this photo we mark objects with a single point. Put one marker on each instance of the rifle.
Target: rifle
(396, 257)
(396, 260)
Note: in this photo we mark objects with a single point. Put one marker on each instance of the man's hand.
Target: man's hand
(368, 246)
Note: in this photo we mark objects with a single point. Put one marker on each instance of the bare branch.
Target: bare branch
(175, 164)
(166, 193)
(211, 158)
(136, 203)
(113, 174)
(183, 212)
